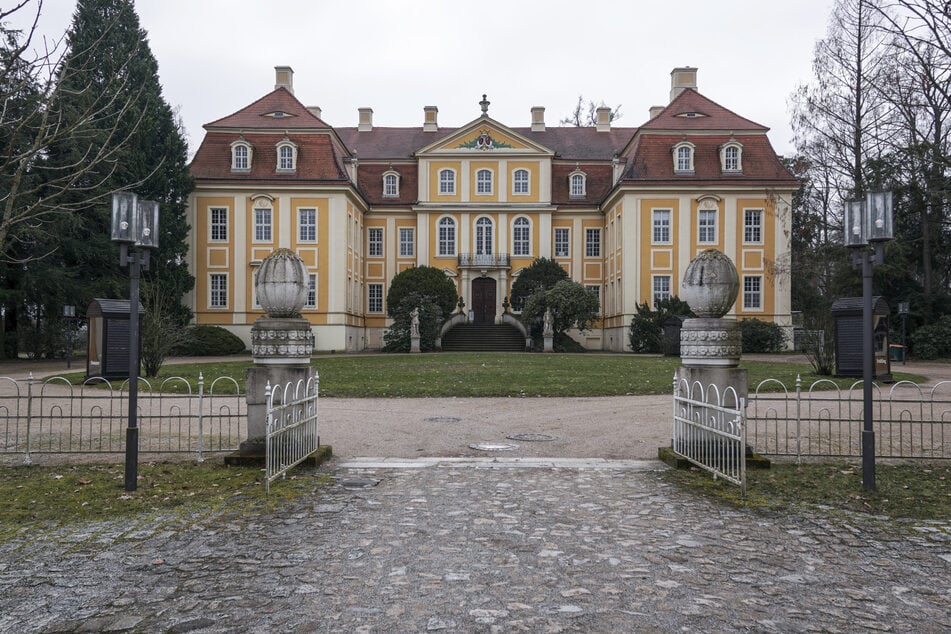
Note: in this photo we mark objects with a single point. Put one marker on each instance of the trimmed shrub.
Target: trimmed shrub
(933, 341)
(762, 336)
(646, 333)
(209, 341)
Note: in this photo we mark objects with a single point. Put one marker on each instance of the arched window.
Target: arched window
(731, 157)
(578, 184)
(683, 158)
(483, 236)
(484, 182)
(521, 237)
(286, 156)
(447, 237)
(447, 181)
(520, 181)
(240, 156)
(391, 185)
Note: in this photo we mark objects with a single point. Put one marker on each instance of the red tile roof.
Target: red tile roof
(714, 116)
(256, 116)
(316, 158)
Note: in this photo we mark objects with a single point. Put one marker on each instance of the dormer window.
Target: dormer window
(391, 184)
(683, 158)
(731, 157)
(240, 156)
(286, 156)
(577, 184)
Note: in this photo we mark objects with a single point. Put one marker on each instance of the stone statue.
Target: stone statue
(548, 331)
(414, 323)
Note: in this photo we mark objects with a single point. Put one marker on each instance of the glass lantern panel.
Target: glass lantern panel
(124, 217)
(880, 223)
(854, 230)
(148, 228)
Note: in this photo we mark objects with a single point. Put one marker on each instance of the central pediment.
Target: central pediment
(484, 136)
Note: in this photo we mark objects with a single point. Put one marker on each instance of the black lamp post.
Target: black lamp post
(69, 312)
(135, 228)
(868, 225)
(903, 309)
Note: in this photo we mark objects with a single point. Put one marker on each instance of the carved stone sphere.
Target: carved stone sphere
(710, 284)
(281, 284)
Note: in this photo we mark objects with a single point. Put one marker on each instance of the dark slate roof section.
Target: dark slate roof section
(254, 116)
(316, 158)
(570, 143)
(598, 182)
(652, 161)
(370, 183)
(716, 116)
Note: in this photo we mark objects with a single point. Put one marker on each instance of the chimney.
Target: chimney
(429, 118)
(315, 110)
(656, 110)
(538, 118)
(366, 119)
(284, 78)
(603, 119)
(682, 78)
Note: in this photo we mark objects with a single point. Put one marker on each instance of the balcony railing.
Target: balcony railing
(484, 260)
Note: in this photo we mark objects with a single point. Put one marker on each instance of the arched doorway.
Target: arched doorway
(483, 300)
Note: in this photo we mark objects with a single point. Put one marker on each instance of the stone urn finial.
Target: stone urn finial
(710, 284)
(281, 284)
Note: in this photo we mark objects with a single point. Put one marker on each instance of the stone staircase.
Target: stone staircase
(483, 338)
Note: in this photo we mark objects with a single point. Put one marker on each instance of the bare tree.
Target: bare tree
(585, 113)
(32, 119)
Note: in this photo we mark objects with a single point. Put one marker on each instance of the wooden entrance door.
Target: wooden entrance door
(483, 300)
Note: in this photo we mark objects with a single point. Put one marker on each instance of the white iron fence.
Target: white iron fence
(709, 430)
(52, 416)
(292, 433)
(910, 421)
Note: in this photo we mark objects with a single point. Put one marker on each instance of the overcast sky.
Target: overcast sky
(397, 56)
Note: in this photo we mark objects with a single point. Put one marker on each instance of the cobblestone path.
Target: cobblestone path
(475, 546)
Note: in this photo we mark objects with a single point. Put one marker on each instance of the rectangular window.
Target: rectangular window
(219, 224)
(595, 290)
(311, 301)
(661, 232)
(407, 243)
(447, 237)
(218, 286)
(661, 288)
(592, 243)
(262, 225)
(707, 226)
(562, 237)
(447, 182)
(753, 226)
(374, 298)
(521, 238)
(307, 225)
(520, 182)
(752, 292)
(483, 182)
(375, 242)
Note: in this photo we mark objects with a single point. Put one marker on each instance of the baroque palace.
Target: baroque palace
(623, 210)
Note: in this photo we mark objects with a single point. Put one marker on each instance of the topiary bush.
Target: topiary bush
(762, 336)
(646, 333)
(934, 340)
(209, 341)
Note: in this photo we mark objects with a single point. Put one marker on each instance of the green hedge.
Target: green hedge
(209, 341)
(762, 336)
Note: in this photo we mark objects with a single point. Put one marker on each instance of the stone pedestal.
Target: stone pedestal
(710, 342)
(414, 343)
(281, 341)
(549, 345)
(256, 380)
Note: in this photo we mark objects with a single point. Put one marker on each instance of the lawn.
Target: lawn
(498, 374)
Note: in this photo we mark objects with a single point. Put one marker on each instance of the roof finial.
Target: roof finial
(485, 106)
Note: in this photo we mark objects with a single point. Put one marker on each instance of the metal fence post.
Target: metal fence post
(27, 460)
(201, 414)
(798, 419)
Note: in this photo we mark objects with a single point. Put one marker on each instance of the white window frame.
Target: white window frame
(595, 289)
(446, 237)
(521, 182)
(286, 157)
(407, 244)
(311, 227)
(391, 184)
(731, 158)
(661, 232)
(684, 158)
(566, 242)
(660, 294)
(217, 225)
(592, 249)
(522, 237)
(447, 185)
(311, 301)
(263, 231)
(706, 228)
(753, 297)
(484, 182)
(577, 184)
(374, 242)
(752, 231)
(484, 236)
(241, 162)
(375, 296)
(218, 290)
